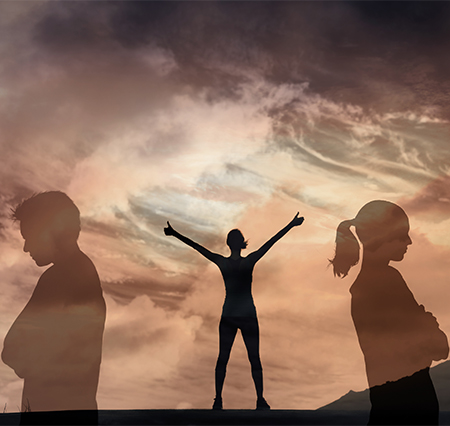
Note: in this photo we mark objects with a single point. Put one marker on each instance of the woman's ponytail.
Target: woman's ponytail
(347, 250)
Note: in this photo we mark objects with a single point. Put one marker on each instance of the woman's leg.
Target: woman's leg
(250, 334)
(227, 333)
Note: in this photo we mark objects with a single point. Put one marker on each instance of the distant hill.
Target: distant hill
(351, 401)
(359, 401)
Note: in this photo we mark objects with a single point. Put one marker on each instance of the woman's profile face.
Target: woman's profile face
(396, 248)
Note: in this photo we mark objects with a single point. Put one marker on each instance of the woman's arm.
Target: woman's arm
(256, 255)
(433, 337)
(213, 257)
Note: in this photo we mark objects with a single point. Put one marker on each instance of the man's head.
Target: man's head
(49, 222)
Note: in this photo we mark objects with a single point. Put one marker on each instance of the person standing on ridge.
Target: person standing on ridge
(238, 311)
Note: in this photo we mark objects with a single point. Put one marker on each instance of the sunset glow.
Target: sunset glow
(220, 115)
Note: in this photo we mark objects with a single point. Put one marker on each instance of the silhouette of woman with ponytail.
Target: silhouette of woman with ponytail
(398, 338)
(238, 309)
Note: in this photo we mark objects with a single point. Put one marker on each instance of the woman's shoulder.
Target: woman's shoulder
(376, 279)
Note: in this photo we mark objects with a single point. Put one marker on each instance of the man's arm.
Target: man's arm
(13, 353)
(213, 257)
(24, 339)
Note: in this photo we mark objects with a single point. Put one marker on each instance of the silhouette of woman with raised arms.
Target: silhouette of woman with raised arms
(398, 338)
(238, 309)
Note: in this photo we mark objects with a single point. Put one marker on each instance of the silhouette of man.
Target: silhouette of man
(55, 343)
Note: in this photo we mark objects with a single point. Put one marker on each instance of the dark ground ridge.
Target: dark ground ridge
(201, 417)
(193, 417)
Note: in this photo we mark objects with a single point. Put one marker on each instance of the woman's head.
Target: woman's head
(235, 240)
(377, 223)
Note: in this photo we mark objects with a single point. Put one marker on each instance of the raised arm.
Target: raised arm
(256, 255)
(213, 257)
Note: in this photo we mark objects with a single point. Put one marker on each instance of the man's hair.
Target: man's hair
(51, 210)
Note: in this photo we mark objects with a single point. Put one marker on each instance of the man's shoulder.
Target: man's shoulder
(78, 266)
(84, 282)
(77, 273)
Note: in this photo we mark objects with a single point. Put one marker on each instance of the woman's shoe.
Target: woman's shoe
(217, 403)
(261, 404)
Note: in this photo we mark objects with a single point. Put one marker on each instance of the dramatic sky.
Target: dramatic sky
(216, 115)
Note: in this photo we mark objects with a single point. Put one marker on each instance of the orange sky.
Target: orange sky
(215, 116)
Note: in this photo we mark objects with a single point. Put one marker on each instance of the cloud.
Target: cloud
(432, 201)
(352, 53)
(143, 346)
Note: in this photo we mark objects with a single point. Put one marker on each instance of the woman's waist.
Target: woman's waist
(243, 307)
(238, 297)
